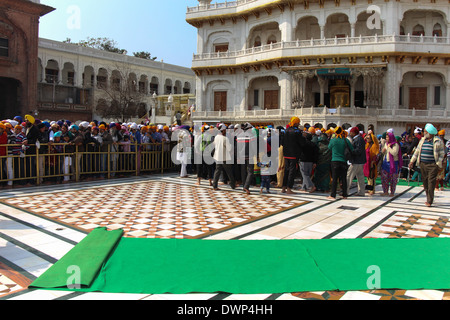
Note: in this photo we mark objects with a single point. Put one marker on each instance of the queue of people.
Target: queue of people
(327, 161)
(21, 139)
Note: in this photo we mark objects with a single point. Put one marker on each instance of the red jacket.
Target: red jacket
(3, 140)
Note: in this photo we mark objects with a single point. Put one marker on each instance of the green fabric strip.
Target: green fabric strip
(158, 266)
(81, 265)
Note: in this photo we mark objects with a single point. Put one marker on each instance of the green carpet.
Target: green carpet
(156, 266)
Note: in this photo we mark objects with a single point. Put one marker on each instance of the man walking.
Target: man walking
(357, 162)
(429, 155)
(223, 157)
(293, 143)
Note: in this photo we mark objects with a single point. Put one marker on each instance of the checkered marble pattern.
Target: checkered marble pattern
(11, 281)
(154, 209)
(413, 225)
(8, 286)
(170, 207)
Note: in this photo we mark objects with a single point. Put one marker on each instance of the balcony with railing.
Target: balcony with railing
(337, 46)
(216, 6)
(400, 115)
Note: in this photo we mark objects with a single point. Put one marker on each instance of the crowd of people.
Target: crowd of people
(324, 160)
(21, 138)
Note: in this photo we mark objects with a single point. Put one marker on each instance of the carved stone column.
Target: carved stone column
(299, 87)
(322, 83)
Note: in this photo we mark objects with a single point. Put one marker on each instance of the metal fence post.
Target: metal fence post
(38, 174)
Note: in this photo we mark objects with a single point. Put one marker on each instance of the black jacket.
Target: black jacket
(310, 152)
(359, 151)
(293, 143)
(32, 137)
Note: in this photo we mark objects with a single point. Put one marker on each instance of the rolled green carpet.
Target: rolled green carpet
(157, 266)
(82, 263)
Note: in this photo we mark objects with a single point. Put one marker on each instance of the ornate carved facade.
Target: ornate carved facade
(325, 53)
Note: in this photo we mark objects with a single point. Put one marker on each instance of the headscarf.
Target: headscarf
(391, 143)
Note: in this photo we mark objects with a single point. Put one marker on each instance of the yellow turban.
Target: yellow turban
(339, 132)
(102, 126)
(441, 133)
(30, 118)
(312, 130)
(294, 121)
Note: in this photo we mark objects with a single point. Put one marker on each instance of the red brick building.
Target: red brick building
(19, 36)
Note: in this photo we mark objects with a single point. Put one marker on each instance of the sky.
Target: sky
(158, 27)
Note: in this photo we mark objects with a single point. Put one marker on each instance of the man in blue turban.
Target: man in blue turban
(429, 155)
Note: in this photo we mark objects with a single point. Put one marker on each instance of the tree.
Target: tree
(125, 98)
(104, 44)
(144, 55)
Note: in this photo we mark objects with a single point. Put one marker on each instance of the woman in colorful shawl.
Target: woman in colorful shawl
(322, 174)
(371, 166)
(392, 164)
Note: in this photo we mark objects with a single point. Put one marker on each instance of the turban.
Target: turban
(166, 128)
(102, 126)
(355, 130)
(30, 118)
(74, 126)
(18, 127)
(431, 129)
(339, 132)
(57, 135)
(294, 121)
(441, 133)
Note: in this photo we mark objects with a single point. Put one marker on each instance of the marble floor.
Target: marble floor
(38, 226)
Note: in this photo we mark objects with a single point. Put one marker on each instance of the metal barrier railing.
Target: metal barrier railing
(62, 162)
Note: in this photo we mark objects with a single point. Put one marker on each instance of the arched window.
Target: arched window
(51, 71)
(257, 42)
(437, 30)
(271, 39)
(418, 30)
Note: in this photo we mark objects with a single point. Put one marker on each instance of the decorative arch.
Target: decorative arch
(337, 25)
(219, 41)
(218, 93)
(52, 71)
(263, 93)
(264, 32)
(307, 28)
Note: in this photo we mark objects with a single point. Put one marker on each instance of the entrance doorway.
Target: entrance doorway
(220, 101)
(271, 100)
(10, 90)
(418, 98)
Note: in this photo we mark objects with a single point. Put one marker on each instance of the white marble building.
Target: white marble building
(70, 78)
(343, 62)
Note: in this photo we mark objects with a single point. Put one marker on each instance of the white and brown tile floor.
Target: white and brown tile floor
(38, 226)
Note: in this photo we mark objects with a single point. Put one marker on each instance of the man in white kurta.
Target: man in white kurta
(223, 156)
